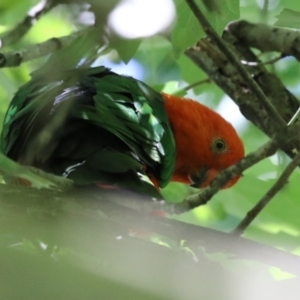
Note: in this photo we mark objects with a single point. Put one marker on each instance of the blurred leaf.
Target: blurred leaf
(191, 73)
(57, 22)
(229, 11)
(26, 276)
(288, 18)
(12, 11)
(171, 87)
(185, 25)
(126, 48)
(211, 5)
(80, 50)
(160, 65)
(187, 31)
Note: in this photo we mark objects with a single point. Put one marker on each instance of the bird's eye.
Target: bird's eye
(219, 145)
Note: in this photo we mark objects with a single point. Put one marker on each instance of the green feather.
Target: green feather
(109, 128)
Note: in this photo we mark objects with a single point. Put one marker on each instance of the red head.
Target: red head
(205, 142)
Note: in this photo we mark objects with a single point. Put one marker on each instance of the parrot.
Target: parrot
(97, 127)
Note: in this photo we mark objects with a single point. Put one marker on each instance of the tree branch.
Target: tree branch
(206, 194)
(267, 38)
(10, 37)
(191, 86)
(212, 61)
(253, 86)
(14, 59)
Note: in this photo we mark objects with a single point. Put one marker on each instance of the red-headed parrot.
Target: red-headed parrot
(97, 127)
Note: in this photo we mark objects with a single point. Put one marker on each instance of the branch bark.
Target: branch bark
(266, 38)
(260, 95)
(10, 37)
(209, 58)
(16, 58)
(231, 57)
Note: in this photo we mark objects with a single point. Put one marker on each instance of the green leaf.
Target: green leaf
(288, 18)
(188, 31)
(82, 47)
(126, 48)
(230, 10)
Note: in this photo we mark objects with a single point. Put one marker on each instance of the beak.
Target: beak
(204, 177)
(198, 178)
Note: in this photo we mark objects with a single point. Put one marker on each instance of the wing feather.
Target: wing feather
(104, 118)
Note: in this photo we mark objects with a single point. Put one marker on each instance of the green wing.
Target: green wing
(92, 125)
(135, 113)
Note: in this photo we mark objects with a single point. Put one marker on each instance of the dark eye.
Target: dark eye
(219, 145)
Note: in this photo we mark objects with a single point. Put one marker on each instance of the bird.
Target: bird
(97, 127)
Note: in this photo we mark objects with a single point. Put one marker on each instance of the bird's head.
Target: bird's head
(206, 143)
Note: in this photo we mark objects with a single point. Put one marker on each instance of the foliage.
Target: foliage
(92, 262)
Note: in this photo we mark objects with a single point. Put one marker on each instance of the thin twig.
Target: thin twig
(264, 11)
(201, 198)
(14, 59)
(264, 151)
(10, 37)
(268, 62)
(206, 194)
(254, 87)
(191, 86)
(295, 117)
(282, 180)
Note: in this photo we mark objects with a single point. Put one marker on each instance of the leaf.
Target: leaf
(191, 73)
(81, 48)
(126, 48)
(171, 87)
(188, 31)
(159, 62)
(288, 18)
(230, 10)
